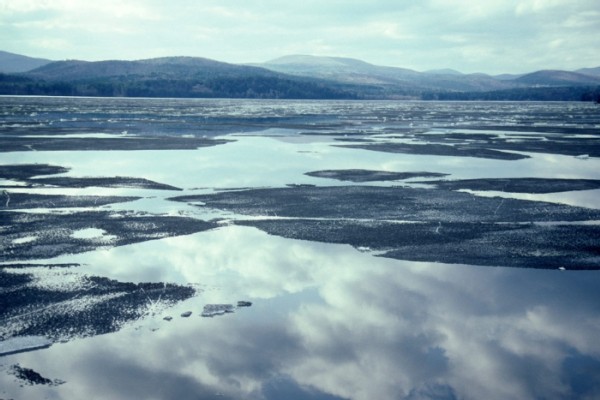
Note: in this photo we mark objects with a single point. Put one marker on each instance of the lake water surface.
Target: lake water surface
(378, 250)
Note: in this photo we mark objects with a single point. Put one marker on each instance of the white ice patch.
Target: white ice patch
(88, 233)
(23, 343)
(92, 233)
(10, 182)
(26, 239)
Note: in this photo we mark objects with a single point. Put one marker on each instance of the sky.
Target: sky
(491, 36)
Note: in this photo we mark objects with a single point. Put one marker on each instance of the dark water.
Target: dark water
(406, 250)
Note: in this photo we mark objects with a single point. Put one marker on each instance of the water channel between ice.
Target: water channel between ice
(256, 161)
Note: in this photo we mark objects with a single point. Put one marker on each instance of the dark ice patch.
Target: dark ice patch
(439, 150)
(92, 306)
(363, 175)
(53, 233)
(30, 377)
(567, 146)
(25, 173)
(424, 224)
(388, 203)
(493, 146)
(15, 201)
(519, 185)
(112, 182)
(531, 127)
(34, 265)
(547, 140)
(510, 245)
(23, 143)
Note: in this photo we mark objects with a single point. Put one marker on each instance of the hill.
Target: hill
(557, 78)
(339, 68)
(443, 71)
(387, 79)
(590, 71)
(167, 77)
(290, 77)
(15, 63)
(167, 67)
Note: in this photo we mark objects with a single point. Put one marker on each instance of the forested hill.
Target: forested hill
(292, 77)
(16, 63)
(167, 77)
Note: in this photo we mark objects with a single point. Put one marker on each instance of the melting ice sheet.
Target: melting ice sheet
(327, 321)
(330, 322)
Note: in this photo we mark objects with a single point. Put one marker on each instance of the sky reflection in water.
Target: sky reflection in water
(252, 161)
(328, 320)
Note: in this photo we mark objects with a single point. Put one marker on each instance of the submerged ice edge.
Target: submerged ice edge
(581, 198)
(21, 344)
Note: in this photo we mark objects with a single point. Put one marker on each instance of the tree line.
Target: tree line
(254, 87)
(561, 93)
(270, 87)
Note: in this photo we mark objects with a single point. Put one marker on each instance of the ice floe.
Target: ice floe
(22, 344)
(211, 310)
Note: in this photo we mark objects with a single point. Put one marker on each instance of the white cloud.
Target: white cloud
(424, 35)
(23, 6)
(586, 19)
(66, 8)
(536, 6)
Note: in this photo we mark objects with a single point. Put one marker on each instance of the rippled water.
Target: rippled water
(327, 320)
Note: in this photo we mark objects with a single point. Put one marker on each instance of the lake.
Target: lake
(265, 249)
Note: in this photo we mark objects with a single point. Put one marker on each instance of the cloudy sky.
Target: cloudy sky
(492, 36)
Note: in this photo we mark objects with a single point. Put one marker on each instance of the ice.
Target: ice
(210, 310)
(88, 233)
(93, 234)
(22, 344)
(10, 182)
(26, 239)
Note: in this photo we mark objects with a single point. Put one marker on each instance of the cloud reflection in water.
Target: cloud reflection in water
(329, 321)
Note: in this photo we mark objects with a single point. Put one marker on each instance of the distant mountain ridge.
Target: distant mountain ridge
(294, 76)
(557, 78)
(15, 63)
(167, 77)
(338, 68)
(443, 71)
(590, 71)
(357, 71)
(174, 67)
